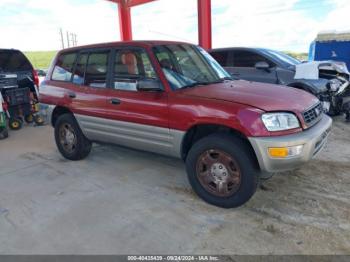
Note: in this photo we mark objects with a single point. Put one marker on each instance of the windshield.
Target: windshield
(187, 65)
(284, 58)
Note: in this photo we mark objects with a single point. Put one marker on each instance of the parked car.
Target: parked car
(327, 80)
(174, 99)
(18, 88)
(13, 61)
(41, 74)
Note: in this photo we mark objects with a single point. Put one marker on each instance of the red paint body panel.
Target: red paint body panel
(267, 97)
(148, 108)
(125, 22)
(131, 3)
(204, 24)
(204, 20)
(234, 104)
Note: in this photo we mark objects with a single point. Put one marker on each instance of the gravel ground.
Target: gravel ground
(121, 201)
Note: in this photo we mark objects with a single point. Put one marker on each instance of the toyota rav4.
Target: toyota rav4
(174, 99)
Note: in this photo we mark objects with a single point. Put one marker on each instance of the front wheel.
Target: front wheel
(29, 119)
(70, 140)
(222, 170)
(39, 120)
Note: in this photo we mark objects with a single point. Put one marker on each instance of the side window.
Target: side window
(79, 72)
(247, 59)
(221, 57)
(96, 70)
(131, 65)
(63, 68)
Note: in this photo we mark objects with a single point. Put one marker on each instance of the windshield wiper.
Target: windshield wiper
(194, 84)
(221, 80)
(226, 78)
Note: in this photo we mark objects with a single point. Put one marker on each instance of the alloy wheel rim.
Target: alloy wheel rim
(218, 173)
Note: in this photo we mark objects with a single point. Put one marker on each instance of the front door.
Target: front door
(243, 67)
(133, 118)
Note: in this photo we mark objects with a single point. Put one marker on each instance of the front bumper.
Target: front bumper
(313, 140)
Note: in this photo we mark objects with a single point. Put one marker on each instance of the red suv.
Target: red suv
(174, 99)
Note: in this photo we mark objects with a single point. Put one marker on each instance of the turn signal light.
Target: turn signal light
(284, 152)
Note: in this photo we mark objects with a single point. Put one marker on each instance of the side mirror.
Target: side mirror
(41, 72)
(149, 85)
(262, 65)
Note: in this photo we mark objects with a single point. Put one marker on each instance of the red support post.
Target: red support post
(204, 24)
(124, 21)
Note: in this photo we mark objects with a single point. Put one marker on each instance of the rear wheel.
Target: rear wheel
(39, 120)
(15, 123)
(70, 140)
(29, 119)
(222, 170)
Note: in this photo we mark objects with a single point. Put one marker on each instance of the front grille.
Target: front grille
(313, 115)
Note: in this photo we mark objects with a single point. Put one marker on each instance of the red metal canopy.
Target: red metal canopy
(204, 20)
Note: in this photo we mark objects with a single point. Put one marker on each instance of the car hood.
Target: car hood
(267, 97)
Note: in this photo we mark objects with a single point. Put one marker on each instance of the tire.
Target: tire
(3, 133)
(236, 153)
(15, 123)
(70, 140)
(334, 111)
(29, 119)
(39, 120)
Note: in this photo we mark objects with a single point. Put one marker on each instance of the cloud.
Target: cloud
(271, 23)
(338, 17)
(166, 20)
(35, 24)
(275, 24)
(279, 24)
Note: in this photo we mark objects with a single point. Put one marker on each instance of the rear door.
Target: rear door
(91, 77)
(80, 78)
(242, 65)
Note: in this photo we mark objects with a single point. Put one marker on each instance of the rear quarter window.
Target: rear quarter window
(12, 61)
(64, 67)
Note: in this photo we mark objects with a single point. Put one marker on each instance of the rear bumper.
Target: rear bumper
(312, 139)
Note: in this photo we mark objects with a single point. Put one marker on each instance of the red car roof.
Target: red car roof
(141, 43)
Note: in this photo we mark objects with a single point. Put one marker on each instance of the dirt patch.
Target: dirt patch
(188, 192)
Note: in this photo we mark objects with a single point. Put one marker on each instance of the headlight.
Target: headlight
(334, 85)
(280, 121)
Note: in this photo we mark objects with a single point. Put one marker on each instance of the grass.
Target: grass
(40, 59)
(300, 56)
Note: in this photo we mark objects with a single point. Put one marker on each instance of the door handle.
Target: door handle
(115, 101)
(72, 95)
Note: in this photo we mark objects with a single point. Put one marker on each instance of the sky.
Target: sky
(33, 25)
